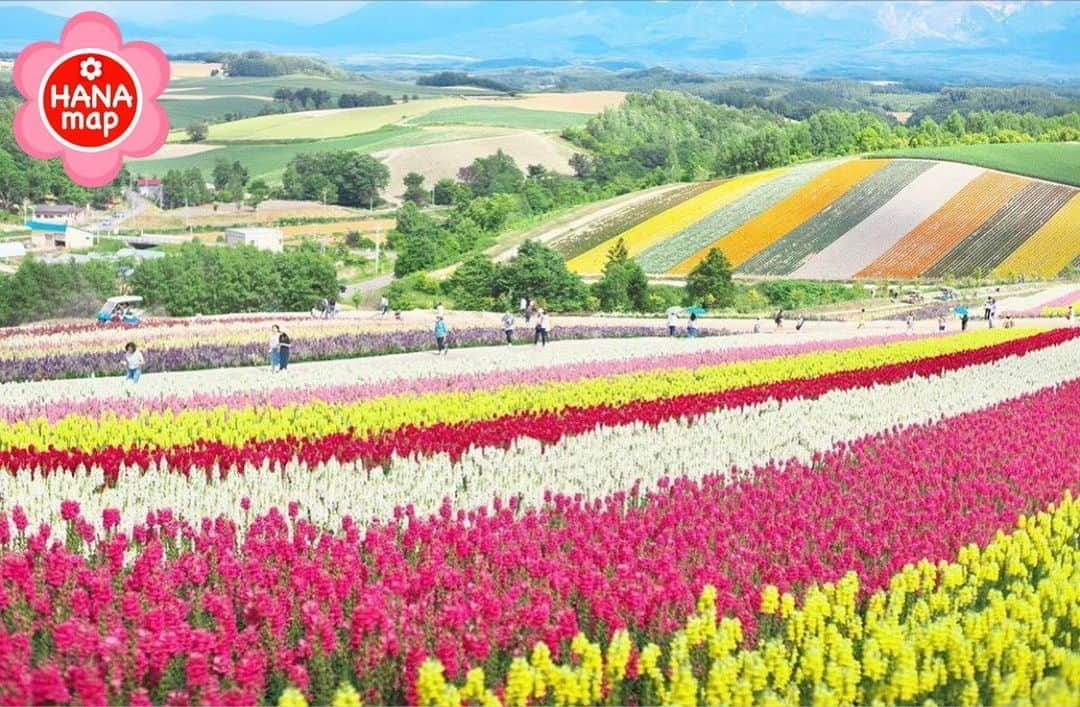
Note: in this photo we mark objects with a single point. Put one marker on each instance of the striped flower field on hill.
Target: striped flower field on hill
(861, 218)
(830, 520)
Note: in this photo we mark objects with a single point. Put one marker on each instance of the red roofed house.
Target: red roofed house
(149, 188)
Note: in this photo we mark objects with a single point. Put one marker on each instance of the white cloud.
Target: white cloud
(156, 13)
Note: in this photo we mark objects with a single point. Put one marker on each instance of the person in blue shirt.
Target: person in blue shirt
(441, 331)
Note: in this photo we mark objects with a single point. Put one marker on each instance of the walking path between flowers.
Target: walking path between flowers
(425, 364)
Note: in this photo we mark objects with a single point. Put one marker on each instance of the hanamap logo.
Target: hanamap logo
(91, 99)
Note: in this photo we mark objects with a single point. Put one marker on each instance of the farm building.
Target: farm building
(59, 213)
(76, 239)
(150, 189)
(45, 235)
(262, 238)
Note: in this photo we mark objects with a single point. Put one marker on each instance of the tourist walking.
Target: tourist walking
(986, 309)
(910, 321)
(441, 330)
(799, 323)
(523, 306)
(542, 325)
(1069, 315)
(862, 318)
(275, 346)
(778, 318)
(133, 362)
(672, 321)
(284, 346)
(508, 328)
(992, 319)
(384, 305)
(963, 321)
(757, 325)
(691, 326)
(941, 323)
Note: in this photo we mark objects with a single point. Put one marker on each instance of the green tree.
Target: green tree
(540, 273)
(495, 174)
(709, 283)
(414, 188)
(13, 184)
(343, 177)
(197, 132)
(472, 286)
(258, 190)
(624, 286)
(445, 192)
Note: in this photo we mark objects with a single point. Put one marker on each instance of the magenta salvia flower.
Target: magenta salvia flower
(69, 510)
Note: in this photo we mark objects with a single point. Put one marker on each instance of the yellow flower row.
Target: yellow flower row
(366, 417)
(771, 225)
(667, 223)
(997, 626)
(1052, 247)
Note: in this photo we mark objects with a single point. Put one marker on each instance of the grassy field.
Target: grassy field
(269, 160)
(323, 124)
(184, 112)
(501, 116)
(1057, 162)
(266, 85)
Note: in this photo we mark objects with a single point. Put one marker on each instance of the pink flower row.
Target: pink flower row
(222, 618)
(56, 410)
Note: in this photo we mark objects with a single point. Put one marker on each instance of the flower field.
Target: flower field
(946, 228)
(1014, 223)
(88, 350)
(670, 252)
(597, 231)
(1051, 249)
(844, 214)
(837, 518)
(863, 218)
(671, 221)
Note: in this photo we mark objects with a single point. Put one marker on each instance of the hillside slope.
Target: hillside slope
(863, 218)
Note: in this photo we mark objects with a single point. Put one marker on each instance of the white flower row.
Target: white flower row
(594, 464)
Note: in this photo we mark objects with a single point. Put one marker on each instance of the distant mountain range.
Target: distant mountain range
(980, 40)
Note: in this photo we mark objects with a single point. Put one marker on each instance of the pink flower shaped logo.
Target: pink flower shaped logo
(91, 99)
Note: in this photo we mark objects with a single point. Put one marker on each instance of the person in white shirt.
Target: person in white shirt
(508, 328)
(384, 305)
(543, 323)
(672, 322)
(134, 362)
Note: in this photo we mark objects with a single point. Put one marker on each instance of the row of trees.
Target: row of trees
(539, 273)
(202, 279)
(460, 78)
(486, 195)
(39, 291)
(345, 177)
(668, 136)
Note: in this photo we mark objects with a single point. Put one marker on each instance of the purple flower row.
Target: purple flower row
(185, 357)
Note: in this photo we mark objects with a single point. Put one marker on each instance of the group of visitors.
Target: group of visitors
(778, 320)
(507, 322)
(327, 309)
(691, 323)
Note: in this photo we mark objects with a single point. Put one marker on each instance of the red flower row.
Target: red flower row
(549, 427)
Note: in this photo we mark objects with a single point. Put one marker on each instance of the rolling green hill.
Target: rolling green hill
(502, 116)
(1055, 161)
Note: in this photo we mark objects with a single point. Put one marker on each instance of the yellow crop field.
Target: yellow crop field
(770, 226)
(667, 223)
(1053, 246)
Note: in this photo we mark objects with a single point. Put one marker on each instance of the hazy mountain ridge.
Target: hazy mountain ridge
(945, 40)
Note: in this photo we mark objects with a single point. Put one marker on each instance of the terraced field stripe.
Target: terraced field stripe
(669, 253)
(785, 216)
(844, 214)
(869, 239)
(664, 224)
(987, 246)
(600, 228)
(1051, 249)
(928, 242)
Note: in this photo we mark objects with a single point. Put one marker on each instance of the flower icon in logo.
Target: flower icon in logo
(90, 68)
(91, 100)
